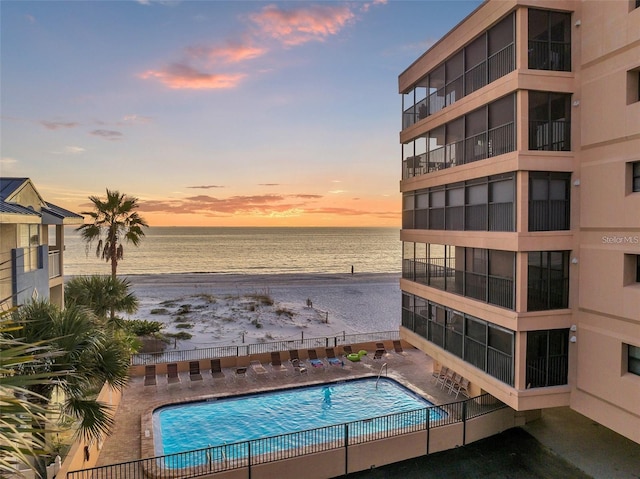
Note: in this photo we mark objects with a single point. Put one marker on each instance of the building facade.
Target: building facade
(521, 205)
(31, 244)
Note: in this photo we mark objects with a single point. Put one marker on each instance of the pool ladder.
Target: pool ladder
(386, 373)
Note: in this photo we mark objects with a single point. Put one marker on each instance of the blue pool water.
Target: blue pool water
(212, 423)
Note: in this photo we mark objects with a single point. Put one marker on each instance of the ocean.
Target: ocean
(265, 250)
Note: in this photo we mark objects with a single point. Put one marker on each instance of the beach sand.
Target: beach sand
(224, 309)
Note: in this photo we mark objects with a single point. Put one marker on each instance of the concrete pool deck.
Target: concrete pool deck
(597, 451)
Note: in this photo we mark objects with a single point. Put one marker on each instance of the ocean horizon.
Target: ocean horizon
(245, 250)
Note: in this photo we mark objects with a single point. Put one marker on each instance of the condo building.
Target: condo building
(521, 205)
(31, 245)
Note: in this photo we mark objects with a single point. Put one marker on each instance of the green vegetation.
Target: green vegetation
(143, 327)
(184, 326)
(159, 311)
(116, 219)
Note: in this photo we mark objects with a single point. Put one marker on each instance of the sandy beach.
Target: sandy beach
(221, 309)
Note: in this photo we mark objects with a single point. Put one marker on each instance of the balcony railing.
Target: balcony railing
(494, 290)
(494, 142)
(544, 372)
(548, 215)
(495, 66)
(546, 294)
(544, 55)
(54, 264)
(550, 136)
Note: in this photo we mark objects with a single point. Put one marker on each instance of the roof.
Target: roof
(8, 186)
(12, 212)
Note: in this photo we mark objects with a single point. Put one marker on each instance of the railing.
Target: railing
(547, 371)
(550, 136)
(260, 348)
(543, 294)
(246, 454)
(545, 55)
(495, 66)
(548, 215)
(493, 142)
(54, 264)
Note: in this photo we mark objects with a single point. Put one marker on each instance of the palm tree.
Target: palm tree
(101, 294)
(117, 219)
(88, 355)
(24, 419)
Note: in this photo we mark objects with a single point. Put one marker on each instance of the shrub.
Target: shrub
(184, 325)
(285, 312)
(143, 327)
(159, 311)
(184, 309)
(263, 297)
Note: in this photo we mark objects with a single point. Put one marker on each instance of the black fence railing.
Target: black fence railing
(246, 454)
(173, 356)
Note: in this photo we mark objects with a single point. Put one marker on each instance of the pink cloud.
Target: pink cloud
(304, 24)
(231, 53)
(180, 76)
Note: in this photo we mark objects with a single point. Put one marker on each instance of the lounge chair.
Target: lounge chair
(347, 349)
(314, 360)
(397, 347)
(294, 355)
(379, 353)
(172, 373)
(194, 371)
(258, 368)
(241, 372)
(448, 378)
(216, 368)
(436, 376)
(276, 362)
(332, 359)
(454, 382)
(150, 375)
(297, 366)
(461, 387)
(381, 346)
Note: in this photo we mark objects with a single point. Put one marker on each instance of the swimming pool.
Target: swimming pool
(363, 404)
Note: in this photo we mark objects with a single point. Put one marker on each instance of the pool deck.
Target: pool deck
(594, 449)
(412, 368)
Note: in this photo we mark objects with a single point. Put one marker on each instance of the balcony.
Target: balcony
(55, 269)
(494, 142)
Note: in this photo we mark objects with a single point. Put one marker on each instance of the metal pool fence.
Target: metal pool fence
(258, 348)
(246, 454)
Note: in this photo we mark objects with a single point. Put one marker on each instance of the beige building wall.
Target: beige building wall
(604, 239)
(608, 313)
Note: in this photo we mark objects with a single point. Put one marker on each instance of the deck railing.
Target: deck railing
(246, 454)
(260, 348)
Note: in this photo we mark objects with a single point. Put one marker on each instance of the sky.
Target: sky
(214, 113)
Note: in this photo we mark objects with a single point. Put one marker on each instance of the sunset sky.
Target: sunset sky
(221, 113)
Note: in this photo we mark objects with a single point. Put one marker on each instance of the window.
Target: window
(633, 359)
(548, 280)
(549, 121)
(547, 358)
(549, 40)
(633, 86)
(631, 267)
(635, 177)
(29, 241)
(549, 201)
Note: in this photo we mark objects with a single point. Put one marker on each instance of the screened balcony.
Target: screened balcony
(483, 133)
(487, 58)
